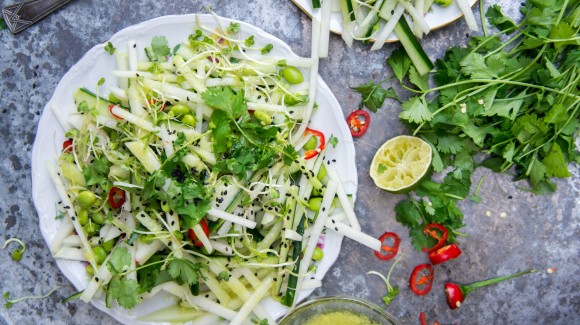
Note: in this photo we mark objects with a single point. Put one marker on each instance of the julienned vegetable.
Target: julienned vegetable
(456, 293)
(211, 209)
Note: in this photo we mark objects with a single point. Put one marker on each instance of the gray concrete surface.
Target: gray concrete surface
(538, 231)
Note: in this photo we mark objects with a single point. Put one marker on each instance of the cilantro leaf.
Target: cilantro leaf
(125, 291)
(225, 99)
(400, 63)
(333, 141)
(97, 171)
(415, 110)
(185, 271)
(159, 46)
(119, 261)
(373, 95)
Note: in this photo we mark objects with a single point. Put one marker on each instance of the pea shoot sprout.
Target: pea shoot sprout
(17, 253)
(10, 302)
(392, 292)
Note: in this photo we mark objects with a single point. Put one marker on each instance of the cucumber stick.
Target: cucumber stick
(411, 45)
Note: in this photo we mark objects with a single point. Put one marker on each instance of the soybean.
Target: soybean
(292, 75)
(86, 199)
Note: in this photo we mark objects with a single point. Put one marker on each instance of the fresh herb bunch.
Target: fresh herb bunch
(514, 98)
(512, 95)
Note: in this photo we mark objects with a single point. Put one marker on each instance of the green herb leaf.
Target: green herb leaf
(125, 291)
(185, 271)
(373, 95)
(119, 261)
(249, 41)
(159, 46)
(234, 27)
(266, 49)
(400, 63)
(110, 48)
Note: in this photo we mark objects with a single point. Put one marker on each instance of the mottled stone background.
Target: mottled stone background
(537, 232)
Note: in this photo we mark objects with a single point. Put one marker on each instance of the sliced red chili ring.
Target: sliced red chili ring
(392, 250)
(116, 197)
(422, 279)
(193, 236)
(444, 253)
(111, 111)
(67, 145)
(431, 230)
(358, 122)
(422, 318)
(321, 144)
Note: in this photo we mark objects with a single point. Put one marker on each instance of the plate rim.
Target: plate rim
(44, 126)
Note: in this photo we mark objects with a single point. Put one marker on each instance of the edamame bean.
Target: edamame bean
(98, 218)
(86, 199)
(314, 203)
(100, 254)
(263, 117)
(147, 239)
(83, 217)
(311, 144)
(179, 110)
(318, 254)
(108, 245)
(89, 269)
(292, 75)
(188, 119)
(91, 229)
(178, 234)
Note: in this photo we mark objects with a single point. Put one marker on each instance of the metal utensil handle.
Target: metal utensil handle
(20, 16)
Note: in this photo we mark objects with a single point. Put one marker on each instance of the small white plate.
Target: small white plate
(97, 63)
(436, 18)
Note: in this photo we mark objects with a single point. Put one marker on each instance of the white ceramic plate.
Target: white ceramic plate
(438, 16)
(96, 64)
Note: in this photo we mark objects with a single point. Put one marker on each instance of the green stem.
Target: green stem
(472, 286)
(397, 260)
(482, 16)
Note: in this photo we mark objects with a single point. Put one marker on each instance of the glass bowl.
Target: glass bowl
(342, 308)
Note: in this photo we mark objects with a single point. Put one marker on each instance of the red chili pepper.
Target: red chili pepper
(111, 111)
(193, 236)
(444, 253)
(153, 102)
(321, 144)
(67, 145)
(358, 122)
(456, 293)
(431, 230)
(422, 279)
(422, 318)
(391, 251)
(116, 197)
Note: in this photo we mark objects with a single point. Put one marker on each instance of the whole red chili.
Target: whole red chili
(358, 122)
(321, 144)
(116, 197)
(456, 293)
(431, 230)
(67, 145)
(111, 111)
(444, 253)
(422, 279)
(391, 251)
(193, 236)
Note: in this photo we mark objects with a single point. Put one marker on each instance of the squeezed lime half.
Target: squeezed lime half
(400, 163)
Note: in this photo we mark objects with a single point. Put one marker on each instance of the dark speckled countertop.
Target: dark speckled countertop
(509, 230)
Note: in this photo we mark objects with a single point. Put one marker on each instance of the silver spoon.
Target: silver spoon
(20, 16)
